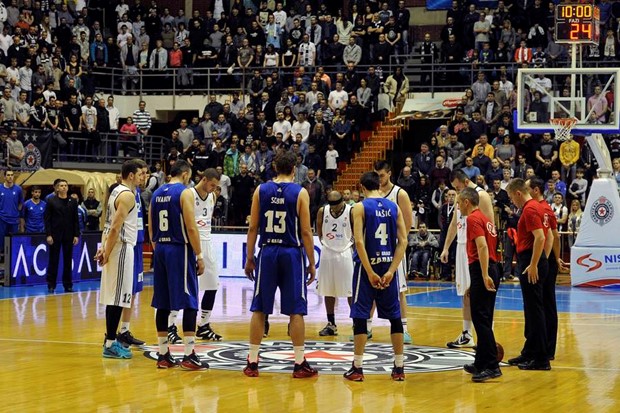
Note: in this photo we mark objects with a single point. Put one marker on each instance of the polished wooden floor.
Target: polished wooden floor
(50, 350)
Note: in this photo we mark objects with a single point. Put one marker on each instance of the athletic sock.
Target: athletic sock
(358, 361)
(331, 319)
(124, 327)
(163, 345)
(108, 343)
(172, 317)
(404, 321)
(399, 360)
(467, 326)
(253, 356)
(299, 354)
(189, 342)
(369, 324)
(205, 316)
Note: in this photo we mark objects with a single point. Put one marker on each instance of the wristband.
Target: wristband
(199, 256)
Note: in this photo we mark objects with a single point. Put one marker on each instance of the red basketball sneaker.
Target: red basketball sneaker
(303, 370)
(251, 369)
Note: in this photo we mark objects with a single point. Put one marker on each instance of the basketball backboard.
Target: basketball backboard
(586, 94)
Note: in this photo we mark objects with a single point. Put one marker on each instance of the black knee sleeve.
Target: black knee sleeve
(189, 319)
(360, 326)
(161, 319)
(208, 300)
(396, 326)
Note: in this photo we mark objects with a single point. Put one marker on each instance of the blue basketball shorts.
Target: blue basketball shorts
(175, 284)
(138, 269)
(283, 268)
(364, 294)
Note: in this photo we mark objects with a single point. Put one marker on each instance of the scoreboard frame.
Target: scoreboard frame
(577, 23)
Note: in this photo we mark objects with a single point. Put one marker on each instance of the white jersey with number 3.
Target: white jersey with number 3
(203, 213)
(337, 232)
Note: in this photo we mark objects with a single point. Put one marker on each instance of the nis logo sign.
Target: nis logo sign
(588, 262)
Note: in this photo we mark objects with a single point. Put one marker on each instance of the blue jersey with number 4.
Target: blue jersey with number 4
(380, 228)
(168, 225)
(279, 222)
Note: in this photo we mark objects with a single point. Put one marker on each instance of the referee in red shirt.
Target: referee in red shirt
(482, 260)
(532, 269)
(552, 251)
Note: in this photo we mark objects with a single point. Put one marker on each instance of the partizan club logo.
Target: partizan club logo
(327, 357)
(602, 211)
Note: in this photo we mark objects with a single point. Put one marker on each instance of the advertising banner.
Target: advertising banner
(28, 257)
(595, 266)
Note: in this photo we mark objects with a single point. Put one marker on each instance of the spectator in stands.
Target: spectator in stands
(422, 200)
(186, 135)
(22, 110)
(88, 126)
(559, 209)
(142, 118)
(16, 154)
(129, 62)
(243, 186)
(437, 200)
(232, 160)
(494, 172)
(422, 243)
(93, 210)
(129, 137)
(316, 189)
(482, 161)
(423, 161)
(397, 86)
(440, 173)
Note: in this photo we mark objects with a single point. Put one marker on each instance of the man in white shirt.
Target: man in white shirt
(225, 183)
(338, 98)
(114, 114)
(307, 52)
(301, 126)
(282, 126)
(88, 125)
(279, 15)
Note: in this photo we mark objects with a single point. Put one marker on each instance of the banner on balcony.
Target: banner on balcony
(37, 147)
(429, 108)
(447, 4)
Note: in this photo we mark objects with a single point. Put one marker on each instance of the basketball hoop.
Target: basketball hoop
(563, 127)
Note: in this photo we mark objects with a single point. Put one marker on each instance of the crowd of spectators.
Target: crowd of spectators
(515, 34)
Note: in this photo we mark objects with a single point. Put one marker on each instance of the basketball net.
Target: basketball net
(563, 127)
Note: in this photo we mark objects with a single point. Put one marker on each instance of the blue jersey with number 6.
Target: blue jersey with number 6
(279, 223)
(380, 230)
(168, 225)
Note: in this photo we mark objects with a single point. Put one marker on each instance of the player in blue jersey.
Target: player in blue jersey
(177, 259)
(124, 336)
(380, 240)
(33, 212)
(281, 215)
(11, 199)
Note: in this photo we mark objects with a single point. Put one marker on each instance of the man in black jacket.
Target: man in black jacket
(62, 230)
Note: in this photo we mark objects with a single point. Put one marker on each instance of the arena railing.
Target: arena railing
(112, 148)
(433, 77)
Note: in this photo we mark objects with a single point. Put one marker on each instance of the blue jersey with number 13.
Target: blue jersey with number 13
(279, 223)
(168, 225)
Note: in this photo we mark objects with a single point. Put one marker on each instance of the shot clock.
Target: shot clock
(577, 23)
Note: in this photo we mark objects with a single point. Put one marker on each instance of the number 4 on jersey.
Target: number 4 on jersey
(381, 234)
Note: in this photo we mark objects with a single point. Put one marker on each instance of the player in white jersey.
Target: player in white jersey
(335, 271)
(116, 255)
(401, 198)
(458, 228)
(204, 197)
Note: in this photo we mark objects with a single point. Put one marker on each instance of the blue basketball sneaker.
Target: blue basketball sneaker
(116, 351)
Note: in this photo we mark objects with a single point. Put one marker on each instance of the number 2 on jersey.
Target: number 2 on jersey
(278, 227)
(381, 233)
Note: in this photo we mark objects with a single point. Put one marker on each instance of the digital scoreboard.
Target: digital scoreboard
(577, 23)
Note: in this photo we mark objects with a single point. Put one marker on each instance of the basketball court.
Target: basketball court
(51, 346)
